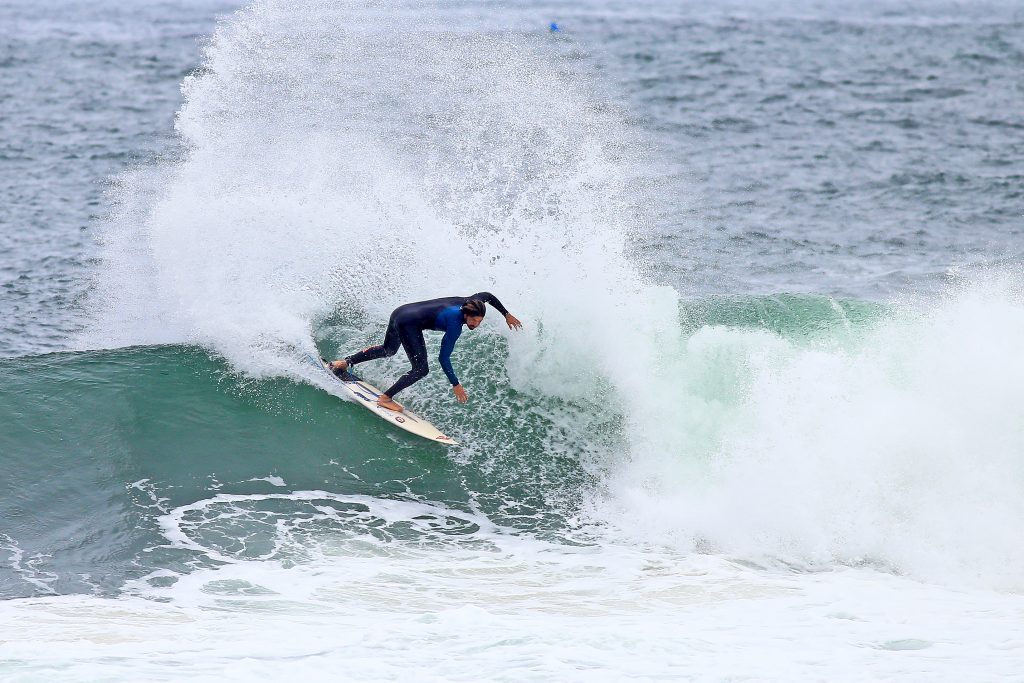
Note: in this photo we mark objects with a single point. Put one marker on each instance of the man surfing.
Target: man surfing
(405, 328)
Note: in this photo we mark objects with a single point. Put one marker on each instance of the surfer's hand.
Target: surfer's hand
(460, 393)
(513, 322)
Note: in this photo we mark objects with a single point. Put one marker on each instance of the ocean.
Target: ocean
(764, 422)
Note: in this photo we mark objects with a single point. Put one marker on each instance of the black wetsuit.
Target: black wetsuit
(406, 326)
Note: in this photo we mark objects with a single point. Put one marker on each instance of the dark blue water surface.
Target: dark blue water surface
(834, 148)
(86, 90)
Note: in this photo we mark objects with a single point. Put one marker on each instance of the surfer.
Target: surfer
(405, 328)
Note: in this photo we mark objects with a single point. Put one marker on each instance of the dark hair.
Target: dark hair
(474, 307)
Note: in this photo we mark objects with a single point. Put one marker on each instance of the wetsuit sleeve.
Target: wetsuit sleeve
(451, 335)
(492, 300)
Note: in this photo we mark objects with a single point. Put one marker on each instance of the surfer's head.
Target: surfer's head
(473, 312)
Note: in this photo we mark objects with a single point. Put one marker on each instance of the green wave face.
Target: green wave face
(101, 444)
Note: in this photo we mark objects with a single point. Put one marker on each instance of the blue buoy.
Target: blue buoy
(554, 27)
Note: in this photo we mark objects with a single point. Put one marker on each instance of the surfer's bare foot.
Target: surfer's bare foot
(341, 364)
(390, 403)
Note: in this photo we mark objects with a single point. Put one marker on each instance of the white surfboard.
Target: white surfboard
(366, 395)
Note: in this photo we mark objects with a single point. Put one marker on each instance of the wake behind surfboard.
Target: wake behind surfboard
(365, 394)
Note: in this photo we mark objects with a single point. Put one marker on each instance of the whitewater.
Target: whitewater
(764, 423)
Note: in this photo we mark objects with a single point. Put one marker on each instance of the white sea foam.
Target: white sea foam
(491, 604)
(902, 447)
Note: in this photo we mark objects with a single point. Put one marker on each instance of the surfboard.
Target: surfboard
(366, 395)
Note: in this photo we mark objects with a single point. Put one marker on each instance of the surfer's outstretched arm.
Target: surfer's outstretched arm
(489, 298)
(512, 321)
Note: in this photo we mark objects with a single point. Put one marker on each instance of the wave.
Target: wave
(803, 430)
(336, 163)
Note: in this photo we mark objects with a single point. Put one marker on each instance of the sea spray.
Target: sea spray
(334, 162)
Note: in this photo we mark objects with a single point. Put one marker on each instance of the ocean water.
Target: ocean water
(765, 420)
